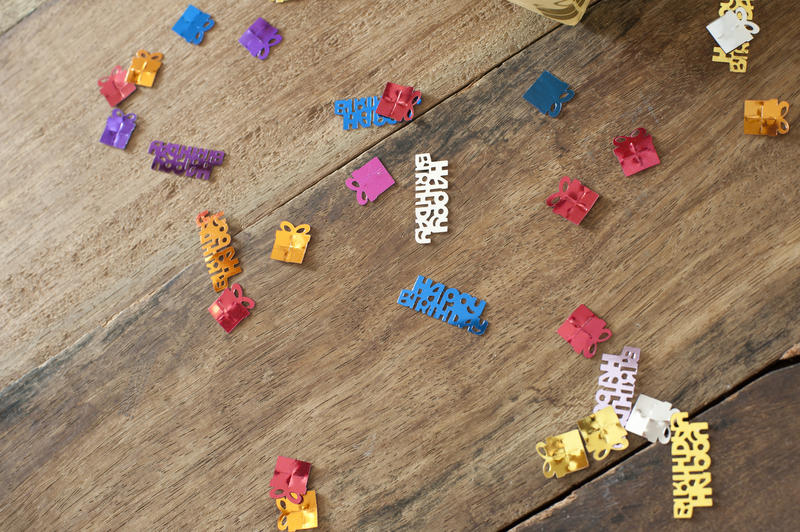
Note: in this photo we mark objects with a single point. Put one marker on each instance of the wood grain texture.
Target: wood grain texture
(159, 420)
(94, 229)
(754, 465)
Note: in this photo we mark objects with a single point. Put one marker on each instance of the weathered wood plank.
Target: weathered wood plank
(94, 229)
(412, 423)
(754, 466)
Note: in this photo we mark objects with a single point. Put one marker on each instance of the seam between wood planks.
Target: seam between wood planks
(790, 358)
(71, 349)
(456, 92)
(26, 15)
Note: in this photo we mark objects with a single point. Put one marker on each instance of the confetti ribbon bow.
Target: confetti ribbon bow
(557, 455)
(300, 229)
(151, 61)
(238, 293)
(118, 119)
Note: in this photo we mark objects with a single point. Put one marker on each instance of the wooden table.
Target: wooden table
(124, 405)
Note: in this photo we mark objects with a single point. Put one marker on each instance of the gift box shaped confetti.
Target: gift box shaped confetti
(231, 307)
(118, 130)
(259, 38)
(143, 68)
(291, 242)
(583, 331)
(616, 383)
(650, 419)
(691, 482)
(398, 102)
(298, 516)
(114, 87)
(193, 25)
(548, 94)
(732, 29)
(369, 181)
(573, 200)
(765, 117)
(635, 153)
(602, 432)
(290, 479)
(562, 454)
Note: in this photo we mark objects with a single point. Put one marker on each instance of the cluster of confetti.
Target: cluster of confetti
(117, 87)
(289, 488)
(614, 416)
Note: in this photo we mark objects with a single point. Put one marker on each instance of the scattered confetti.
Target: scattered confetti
(298, 516)
(291, 242)
(583, 331)
(691, 486)
(635, 153)
(616, 383)
(290, 479)
(362, 112)
(114, 87)
(398, 102)
(548, 94)
(231, 307)
(259, 38)
(431, 206)
(765, 117)
(446, 304)
(732, 29)
(650, 419)
(369, 181)
(143, 68)
(573, 200)
(177, 158)
(119, 127)
(562, 454)
(193, 25)
(218, 254)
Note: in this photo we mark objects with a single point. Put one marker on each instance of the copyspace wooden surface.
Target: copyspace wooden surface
(94, 230)
(754, 467)
(160, 420)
